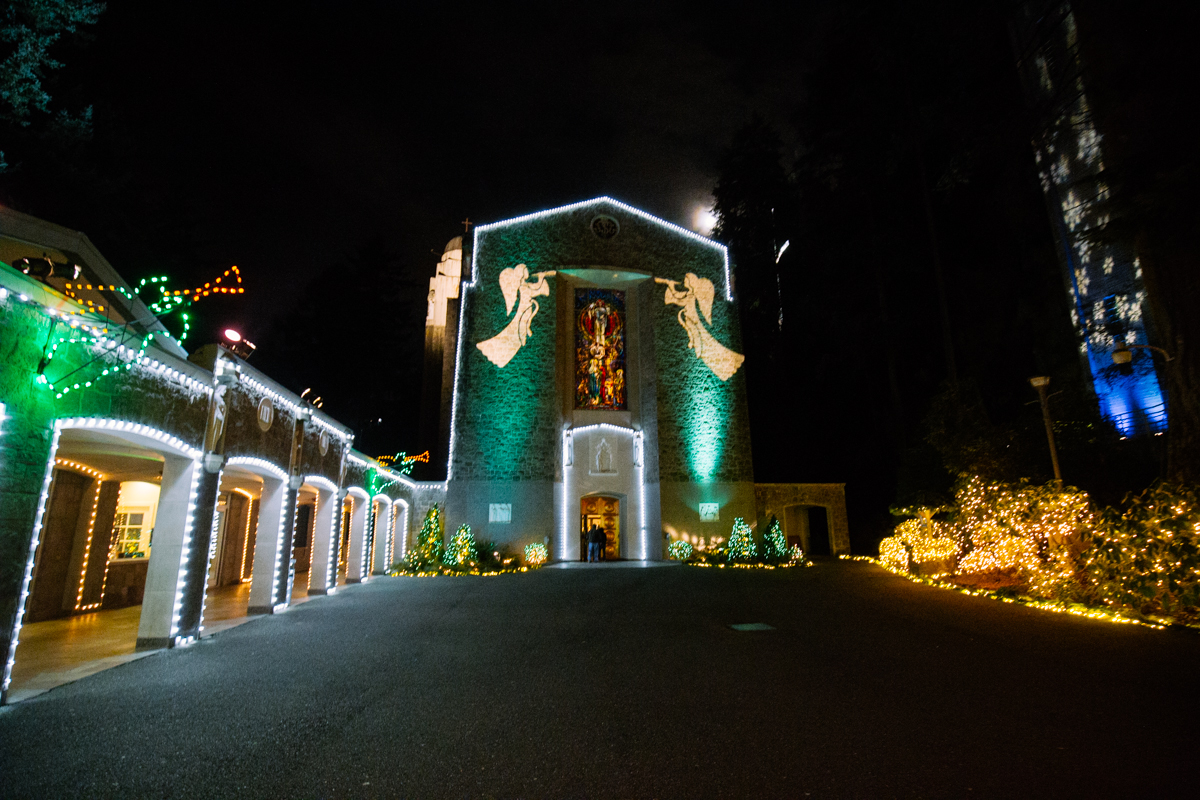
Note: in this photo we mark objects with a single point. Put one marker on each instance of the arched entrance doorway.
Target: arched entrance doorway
(807, 526)
(605, 511)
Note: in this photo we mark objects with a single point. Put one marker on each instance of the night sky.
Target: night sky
(280, 141)
(330, 150)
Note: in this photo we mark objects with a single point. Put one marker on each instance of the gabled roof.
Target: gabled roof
(41, 234)
(671, 226)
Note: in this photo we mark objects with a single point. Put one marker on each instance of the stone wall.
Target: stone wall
(776, 498)
(505, 427)
(166, 394)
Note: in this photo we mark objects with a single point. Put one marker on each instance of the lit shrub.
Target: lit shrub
(1143, 557)
(427, 555)
(922, 540)
(893, 553)
(536, 554)
(1146, 556)
(1021, 529)
(679, 550)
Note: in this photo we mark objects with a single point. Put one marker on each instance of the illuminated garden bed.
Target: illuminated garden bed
(462, 555)
(741, 551)
(1051, 548)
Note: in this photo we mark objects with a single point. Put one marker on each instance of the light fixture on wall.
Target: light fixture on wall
(237, 344)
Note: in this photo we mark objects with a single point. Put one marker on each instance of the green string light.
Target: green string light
(774, 543)
(741, 542)
(462, 549)
(427, 555)
(162, 308)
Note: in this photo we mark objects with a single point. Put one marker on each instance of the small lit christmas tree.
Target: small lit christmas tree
(775, 547)
(741, 542)
(462, 550)
(428, 552)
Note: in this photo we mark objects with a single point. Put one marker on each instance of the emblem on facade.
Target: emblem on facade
(695, 301)
(266, 413)
(323, 442)
(519, 290)
(605, 227)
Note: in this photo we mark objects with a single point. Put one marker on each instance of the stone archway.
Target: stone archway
(786, 500)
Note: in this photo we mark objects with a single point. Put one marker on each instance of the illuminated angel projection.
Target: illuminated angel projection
(600, 349)
(517, 289)
(696, 298)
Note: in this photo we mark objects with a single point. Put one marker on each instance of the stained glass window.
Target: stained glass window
(600, 349)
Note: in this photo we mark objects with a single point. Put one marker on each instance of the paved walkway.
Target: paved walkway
(629, 683)
(60, 651)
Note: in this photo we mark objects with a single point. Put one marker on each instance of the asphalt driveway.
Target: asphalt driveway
(630, 683)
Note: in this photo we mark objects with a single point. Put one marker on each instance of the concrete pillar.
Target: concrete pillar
(383, 539)
(171, 551)
(336, 555)
(322, 575)
(267, 545)
(287, 554)
(356, 555)
(399, 530)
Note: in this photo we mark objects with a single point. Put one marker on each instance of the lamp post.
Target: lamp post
(1122, 354)
(1040, 383)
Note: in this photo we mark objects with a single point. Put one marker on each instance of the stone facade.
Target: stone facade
(683, 437)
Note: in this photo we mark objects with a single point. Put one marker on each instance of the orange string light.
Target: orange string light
(211, 287)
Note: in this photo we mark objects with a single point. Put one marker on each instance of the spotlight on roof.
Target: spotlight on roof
(237, 344)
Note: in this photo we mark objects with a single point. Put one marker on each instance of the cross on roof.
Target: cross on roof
(466, 223)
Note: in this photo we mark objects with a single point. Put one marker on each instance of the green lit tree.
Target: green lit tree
(741, 542)
(775, 547)
(428, 552)
(462, 550)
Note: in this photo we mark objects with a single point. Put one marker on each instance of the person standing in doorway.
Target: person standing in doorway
(595, 542)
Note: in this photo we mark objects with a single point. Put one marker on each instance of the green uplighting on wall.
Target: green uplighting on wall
(704, 420)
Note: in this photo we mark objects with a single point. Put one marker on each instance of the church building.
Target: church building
(584, 366)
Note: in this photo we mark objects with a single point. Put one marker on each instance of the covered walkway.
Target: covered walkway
(59, 651)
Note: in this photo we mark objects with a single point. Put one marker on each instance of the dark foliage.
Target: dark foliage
(907, 108)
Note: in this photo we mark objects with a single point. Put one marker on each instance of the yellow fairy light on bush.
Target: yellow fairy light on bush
(536, 554)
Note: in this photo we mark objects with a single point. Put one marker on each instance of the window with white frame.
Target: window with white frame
(131, 534)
